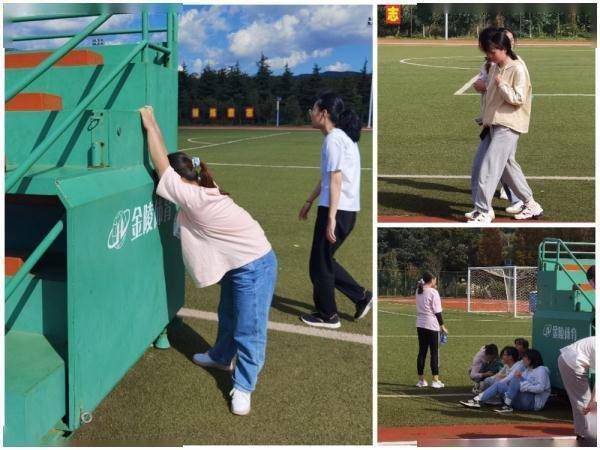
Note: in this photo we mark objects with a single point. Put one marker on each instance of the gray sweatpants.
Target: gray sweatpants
(578, 388)
(495, 161)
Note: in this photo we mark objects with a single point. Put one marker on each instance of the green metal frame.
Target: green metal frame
(17, 174)
(562, 248)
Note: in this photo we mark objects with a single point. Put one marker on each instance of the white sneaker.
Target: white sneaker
(202, 359)
(437, 384)
(515, 208)
(422, 383)
(533, 210)
(481, 218)
(469, 215)
(240, 402)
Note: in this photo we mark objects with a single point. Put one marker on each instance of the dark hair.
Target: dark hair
(498, 40)
(591, 273)
(534, 357)
(491, 350)
(508, 30)
(183, 166)
(522, 342)
(485, 34)
(345, 119)
(510, 351)
(425, 278)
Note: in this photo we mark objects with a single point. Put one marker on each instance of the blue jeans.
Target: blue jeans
(510, 389)
(246, 295)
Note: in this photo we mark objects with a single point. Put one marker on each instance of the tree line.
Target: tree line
(403, 254)
(534, 21)
(230, 87)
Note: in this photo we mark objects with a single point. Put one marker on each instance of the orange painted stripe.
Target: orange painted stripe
(586, 287)
(575, 267)
(34, 101)
(12, 264)
(73, 58)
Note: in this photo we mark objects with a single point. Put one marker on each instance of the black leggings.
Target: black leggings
(428, 339)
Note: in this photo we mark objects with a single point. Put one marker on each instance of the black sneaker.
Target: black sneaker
(504, 410)
(316, 319)
(364, 306)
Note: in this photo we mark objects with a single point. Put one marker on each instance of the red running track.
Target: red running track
(479, 305)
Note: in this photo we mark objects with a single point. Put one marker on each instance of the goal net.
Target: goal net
(506, 289)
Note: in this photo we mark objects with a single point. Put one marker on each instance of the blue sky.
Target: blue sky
(336, 37)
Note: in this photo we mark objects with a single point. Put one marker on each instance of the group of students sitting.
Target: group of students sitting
(514, 378)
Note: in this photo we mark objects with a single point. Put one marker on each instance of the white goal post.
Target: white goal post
(502, 289)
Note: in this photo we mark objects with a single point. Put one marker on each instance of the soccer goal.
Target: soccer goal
(506, 289)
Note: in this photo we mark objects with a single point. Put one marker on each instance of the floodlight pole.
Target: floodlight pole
(370, 117)
(277, 99)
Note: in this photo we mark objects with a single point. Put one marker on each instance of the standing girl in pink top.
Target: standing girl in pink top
(429, 324)
(221, 243)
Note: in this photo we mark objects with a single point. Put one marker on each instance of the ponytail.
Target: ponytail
(425, 278)
(344, 118)
(188, 168)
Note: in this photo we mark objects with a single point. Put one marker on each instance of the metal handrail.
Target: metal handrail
(556, 260)
(37, 153)
(56, 55)
(96, 33)
(35, 256)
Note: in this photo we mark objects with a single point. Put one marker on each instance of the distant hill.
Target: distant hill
(330, 74)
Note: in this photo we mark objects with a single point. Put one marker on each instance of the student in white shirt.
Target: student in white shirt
(338, 191)
(574, 363)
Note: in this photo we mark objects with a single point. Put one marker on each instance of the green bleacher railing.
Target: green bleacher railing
(562, 250)
(15, 175)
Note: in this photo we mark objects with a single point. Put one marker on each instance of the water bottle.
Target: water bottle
(444, 338)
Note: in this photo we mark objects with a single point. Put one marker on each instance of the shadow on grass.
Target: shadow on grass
(296, 307)
(188, 342)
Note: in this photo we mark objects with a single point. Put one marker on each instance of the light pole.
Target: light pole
(277, 99)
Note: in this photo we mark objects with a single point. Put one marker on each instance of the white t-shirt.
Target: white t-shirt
(429, 304)
(339, 152)
(581, 355)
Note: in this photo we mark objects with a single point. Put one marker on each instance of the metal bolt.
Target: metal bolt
(86, 417)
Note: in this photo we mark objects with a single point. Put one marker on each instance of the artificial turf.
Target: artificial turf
(311, 390)
(426, 130)
(397, 355)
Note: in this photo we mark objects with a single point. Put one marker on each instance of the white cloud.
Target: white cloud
(195, 25)
(197, 65)
(338, 67)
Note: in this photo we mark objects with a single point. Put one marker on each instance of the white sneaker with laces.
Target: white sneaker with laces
(422, 383)
(532, 210)
(482, 218)
(437, 384)
(515, 208)
(469, 215)
(240, 402)
(204, 360)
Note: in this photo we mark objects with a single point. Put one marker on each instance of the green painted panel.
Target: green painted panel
(35, 388)
(125, 278)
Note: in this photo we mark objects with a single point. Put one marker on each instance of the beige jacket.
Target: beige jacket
(508, 104)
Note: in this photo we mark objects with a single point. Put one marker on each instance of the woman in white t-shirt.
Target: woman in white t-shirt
(221, 243)
(338, 191)
(574, 364)
(429, 325)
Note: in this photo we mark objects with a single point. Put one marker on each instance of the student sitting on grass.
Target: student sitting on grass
(522, 345)
(490, 366)
(526, 390)
(510, 358)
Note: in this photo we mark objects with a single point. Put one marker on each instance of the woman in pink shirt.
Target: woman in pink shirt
(429, 324)
(221, 243)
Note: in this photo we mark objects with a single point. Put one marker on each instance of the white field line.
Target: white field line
(500, 318)
(196, 141)
(467, 85)
(269, 166)
(474, 45)
(235, 141)
(468, 177)
(398, 443)
(406, 61)
(456, 394)
(451, 336)
(287, 328)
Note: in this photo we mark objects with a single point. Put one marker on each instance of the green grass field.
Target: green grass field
(312, 390)
(424, 129)
(397, 372)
